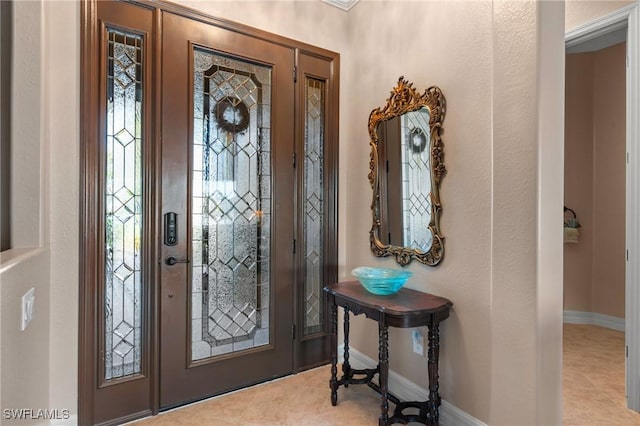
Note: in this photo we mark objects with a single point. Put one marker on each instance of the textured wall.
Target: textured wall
(454, 54)
(63, 41)
(579, 12)
(513, 280)
(27, 159)
(485, 62)
(28, 165)
(25, 354)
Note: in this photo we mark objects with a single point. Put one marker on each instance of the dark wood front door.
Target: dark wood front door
(209, 153)
(226, 259)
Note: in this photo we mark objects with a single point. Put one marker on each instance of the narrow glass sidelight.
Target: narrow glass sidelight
(230, 205)
(123, 206)
(313, 204)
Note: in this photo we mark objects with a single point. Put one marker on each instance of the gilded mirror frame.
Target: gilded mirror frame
(405, 98)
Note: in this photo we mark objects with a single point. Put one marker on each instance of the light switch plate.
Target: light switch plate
(28, 301)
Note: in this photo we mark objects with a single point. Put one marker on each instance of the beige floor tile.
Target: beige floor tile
(593, 393)
(593, 378)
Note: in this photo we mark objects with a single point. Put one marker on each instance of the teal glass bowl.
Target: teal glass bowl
(381, 281)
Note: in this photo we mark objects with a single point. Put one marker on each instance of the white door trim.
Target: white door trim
(628, 16)
(599, 27)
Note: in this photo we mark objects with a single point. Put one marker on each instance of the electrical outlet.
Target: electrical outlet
(418, 342)
(28, 301)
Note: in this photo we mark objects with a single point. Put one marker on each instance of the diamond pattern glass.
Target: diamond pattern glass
(230, 204)
(313, 204)
(123, 206)
(416, 180)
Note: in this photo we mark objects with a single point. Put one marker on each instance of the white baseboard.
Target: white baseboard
(607, 321)
(71, 421)
(406, 390)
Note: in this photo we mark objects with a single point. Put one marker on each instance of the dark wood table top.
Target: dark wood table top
(406, 308)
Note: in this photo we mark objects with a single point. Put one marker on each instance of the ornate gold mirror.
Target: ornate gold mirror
(407, 164)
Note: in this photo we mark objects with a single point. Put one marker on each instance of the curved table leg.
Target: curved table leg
(333, 383)
(433, 354)
(383, 359)
(346, 366)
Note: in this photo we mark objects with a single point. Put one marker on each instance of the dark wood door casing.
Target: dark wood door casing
(139, 396)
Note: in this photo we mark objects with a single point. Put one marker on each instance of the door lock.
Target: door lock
(171, 260)
(170, 229)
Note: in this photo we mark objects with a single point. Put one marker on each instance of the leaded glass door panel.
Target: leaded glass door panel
(230, 205)
(227, 174)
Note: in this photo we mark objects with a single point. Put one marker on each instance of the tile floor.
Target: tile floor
(303, 399)
(593, 378)
(593, 393)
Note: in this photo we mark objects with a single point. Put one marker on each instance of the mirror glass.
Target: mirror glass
(406, 193)
(406, 167)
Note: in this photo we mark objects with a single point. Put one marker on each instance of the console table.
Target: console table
(406, 309)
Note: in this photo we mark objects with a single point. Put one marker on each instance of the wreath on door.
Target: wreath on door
(418, 140)
(232, 114)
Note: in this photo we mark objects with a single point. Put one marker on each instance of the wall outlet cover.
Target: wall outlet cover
(418, 342)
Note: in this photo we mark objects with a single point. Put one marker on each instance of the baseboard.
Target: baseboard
(71, 421)
(406, 390)
(607, 321)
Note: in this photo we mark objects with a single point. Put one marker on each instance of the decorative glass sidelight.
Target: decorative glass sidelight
(313, 204)
(230, 205)
(416, 180)
(123, 206)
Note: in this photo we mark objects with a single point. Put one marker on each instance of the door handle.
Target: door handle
(171, 260)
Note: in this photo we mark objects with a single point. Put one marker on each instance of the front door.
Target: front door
(227, 209)
(209, 153)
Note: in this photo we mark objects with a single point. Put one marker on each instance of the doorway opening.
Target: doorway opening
(601, 210)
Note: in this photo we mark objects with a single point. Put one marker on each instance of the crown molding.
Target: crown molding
(342, 4)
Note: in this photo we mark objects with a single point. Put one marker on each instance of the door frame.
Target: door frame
(627, 16)
(89, 203)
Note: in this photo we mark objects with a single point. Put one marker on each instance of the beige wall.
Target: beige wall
(579, 12)
(489, 196)
(594, 276)
(503, 266)
(609, 73)
(25, 354)
(63, 45)
(578, 183)
(27, 180)
(464, 274)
